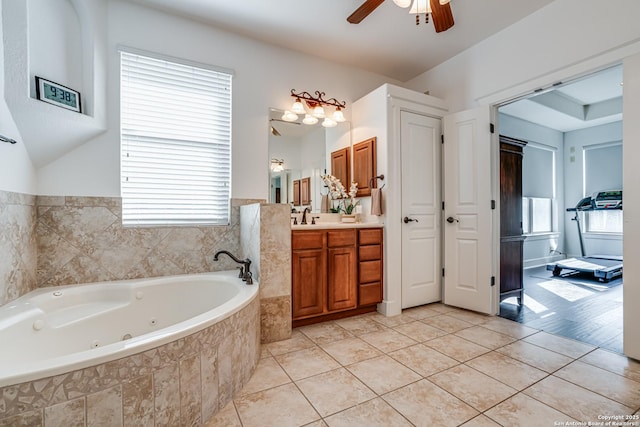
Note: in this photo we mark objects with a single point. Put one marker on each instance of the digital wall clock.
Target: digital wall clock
(57, 94)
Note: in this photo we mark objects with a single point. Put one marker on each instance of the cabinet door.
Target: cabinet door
(305, 191)
(364, 166)
(341, 278)
(341, 166)
(308, 282)
(296, 192)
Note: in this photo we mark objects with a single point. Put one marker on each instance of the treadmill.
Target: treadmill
(603, 267)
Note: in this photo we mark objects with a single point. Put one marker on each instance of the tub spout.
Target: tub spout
(245, 272)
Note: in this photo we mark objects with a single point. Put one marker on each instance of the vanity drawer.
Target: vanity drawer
(372, 236)
(370, 293)
(307, 240)
(338, 238)
(369, 253)
(370, 271)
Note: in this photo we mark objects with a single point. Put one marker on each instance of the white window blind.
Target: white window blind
(175, 142)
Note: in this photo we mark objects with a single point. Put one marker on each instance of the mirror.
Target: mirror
(304, 153)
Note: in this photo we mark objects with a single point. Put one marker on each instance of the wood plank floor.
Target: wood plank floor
(574, 306)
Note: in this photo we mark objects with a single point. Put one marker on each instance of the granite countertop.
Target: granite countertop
(329, 225)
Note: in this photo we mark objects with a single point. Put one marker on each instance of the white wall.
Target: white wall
(537, 248)
(631, 177)
(17, 173)
(565, 38)
(55, 43)
(264, 76)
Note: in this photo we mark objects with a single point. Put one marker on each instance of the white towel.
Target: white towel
(376, 201)
(324, 203)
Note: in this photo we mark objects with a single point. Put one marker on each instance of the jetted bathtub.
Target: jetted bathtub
(92, 337)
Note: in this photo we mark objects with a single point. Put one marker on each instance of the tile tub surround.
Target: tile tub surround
(184, 382)
(372, 370)
(265, 237)
(18, 245)
(82, 240)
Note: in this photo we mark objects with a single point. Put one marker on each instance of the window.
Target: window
(537, 215)
(602, 171)
(175, 142)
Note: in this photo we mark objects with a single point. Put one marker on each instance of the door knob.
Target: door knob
(451, 219)
(408, 220)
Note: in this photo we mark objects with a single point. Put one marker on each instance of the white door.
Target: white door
(420, 147)
(468, 213)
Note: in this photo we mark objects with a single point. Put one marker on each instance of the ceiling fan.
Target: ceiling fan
(440, 13)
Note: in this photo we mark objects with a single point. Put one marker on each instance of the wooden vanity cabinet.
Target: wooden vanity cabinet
(336, 273)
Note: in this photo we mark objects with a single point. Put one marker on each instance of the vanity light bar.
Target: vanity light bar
(315, 105)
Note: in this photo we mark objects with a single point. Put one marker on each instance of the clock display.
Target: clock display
(57, 94)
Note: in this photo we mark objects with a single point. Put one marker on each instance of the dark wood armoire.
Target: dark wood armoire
(511, 238)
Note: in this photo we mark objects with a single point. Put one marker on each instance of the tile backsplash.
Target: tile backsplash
(18, 245)
(52, 241)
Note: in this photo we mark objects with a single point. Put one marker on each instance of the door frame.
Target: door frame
(397, 99)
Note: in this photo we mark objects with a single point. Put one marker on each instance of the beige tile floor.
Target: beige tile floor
(434, 366)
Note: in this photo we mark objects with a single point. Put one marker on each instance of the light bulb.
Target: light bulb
(329, 123)
(338, 116)
(309, 120)
(403, 3)
(297, 107)
(318, 112)
(288, 116)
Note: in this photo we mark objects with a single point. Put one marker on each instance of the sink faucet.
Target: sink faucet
(245, 273)
(304, 216)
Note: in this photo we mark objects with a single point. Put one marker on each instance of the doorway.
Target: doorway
(574, 149)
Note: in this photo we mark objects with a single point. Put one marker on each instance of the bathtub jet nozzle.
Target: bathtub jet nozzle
(245, 272)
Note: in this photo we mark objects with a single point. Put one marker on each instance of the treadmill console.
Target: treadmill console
(608, 199)
(600, 200)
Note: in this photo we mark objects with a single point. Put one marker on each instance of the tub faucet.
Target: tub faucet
(304, 216)
(245, 272)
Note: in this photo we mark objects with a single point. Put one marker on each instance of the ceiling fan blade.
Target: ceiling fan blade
(442, 16)
(364, 10)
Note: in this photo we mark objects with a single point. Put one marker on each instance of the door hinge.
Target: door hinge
(492, 128)
(442, 138)
(443, 272)
(493, 204)
(493, 280)
(442, 205)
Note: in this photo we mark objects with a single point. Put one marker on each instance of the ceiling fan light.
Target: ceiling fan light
(338, 116)
(297, 107)
(421, 6)
(277, 165)
(329, 122)
(402, 3)
(289, 116)
(309, 120)
(318, 112)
